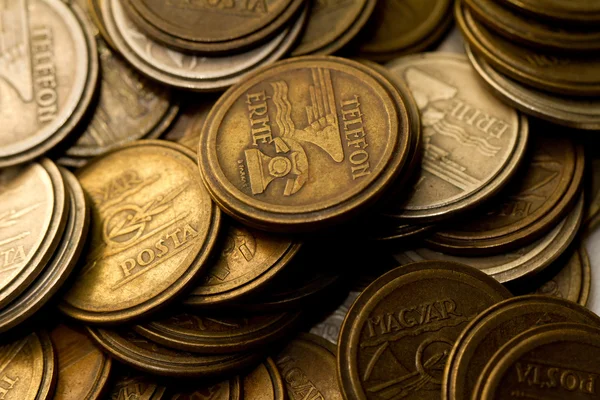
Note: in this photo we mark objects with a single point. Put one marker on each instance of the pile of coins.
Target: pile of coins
(388, 224)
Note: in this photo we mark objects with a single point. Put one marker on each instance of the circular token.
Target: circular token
(580, 113)
(82, 368)
(587, 277)
(525, 261)
(153, 226)
(573, 11)
(494, 327)
(353, 131)
(264, 383)
(139, 353)
(547, 71)
(212, 333)
(400, 27)
(544, 190)
(230, 389)
(472, 142)
(398, 333)
(33, 215)
(130, 384)
(28, 368)
(332, 24)
(188, 71)
(563, 357)
(48, 81)
(58, 269)
(309, 359)
(212, 27)
(248, 260)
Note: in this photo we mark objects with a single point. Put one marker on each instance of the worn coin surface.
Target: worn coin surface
(308, 365)
(306, 168)
(153, 226)
(83, 369)
(230, 389)
(472, 141)
(397, 336)
(494, 327)
(128, 385)
(264, 383)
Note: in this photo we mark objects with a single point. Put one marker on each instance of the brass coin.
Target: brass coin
(308, 365)
(355, 134)
(494, 327)
(214, 333)
(82, 368)
(329, 328)
(189, 71)
(520, 263)
(230, 389)
(587, 277)
(574, 112)
(248, 260)
(129, 385)
(563, 357)
(28, 368)
(60, 266)
(543, 70)
(33, 215)
(400, 27)
(48, 81)
(398, 333)
(574, 11)
(136, 351)
(332, 24)
(212, 27)
(472, 142)
(545, 189)
(153, 226)
(264, 383)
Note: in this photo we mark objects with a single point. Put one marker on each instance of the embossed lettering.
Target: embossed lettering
(6, 384)
(297, 381)
(552, 377)
(355, 135)
(478, 119)
(259, 120)
(44, 73)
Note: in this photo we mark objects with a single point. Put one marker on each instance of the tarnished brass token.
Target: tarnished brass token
(494, 327)
(560, 361)
(28, 368)
(399, 332)
(230, 389)
(153, 226)
(213, 333)
(520, 263)
(400, 27)
(33, 216)
(472, 142)
(136, 351)
(83, 369)
(248, 260)
(264, 383)
(49, 70)
(545, 189)
(543, 70)
(573, 11)
(129, 385)
(304, 169)
(60, 266)
(332, 24)
(308, 365)
(575, 112)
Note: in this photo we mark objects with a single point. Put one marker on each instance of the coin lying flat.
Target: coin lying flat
(28, 368)
(494, 327)
(127, 385)
(230, 389)
(399, 332)
(304, 169)
(575, 11)
(264, 383)
(153, 226)
(82, 368)
(564, 357)
(308, 365)
(472, 142)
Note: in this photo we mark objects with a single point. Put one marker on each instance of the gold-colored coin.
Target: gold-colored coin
(28, 368)
(264, 383)
(128, 384)
(33, 215)
(573, 11)
(397, 335)
(308, 363)
(48, 81)
(83, 369)
(230, 389)
(304, 169)
(248, 260)
(332, 24)
(472, 141)
(399, 27)
(153, 226)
